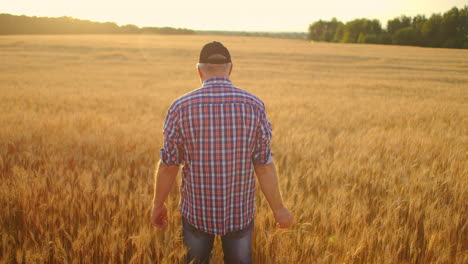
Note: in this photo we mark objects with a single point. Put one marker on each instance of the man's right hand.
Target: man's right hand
(283, 217)
(159, 216)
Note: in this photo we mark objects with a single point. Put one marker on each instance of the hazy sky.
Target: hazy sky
(249, 15)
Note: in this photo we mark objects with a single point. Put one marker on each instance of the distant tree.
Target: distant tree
(332, 27)
(352, 30)
(338, 37)
(449, 30)
(129, 29)
(406, 36)
(11, 24)
(398, 23)
(453, 28)
(432, 31)
(370, 39)
(316, 30)
(417, 24)
(384, 38)
(324, 30)
(418, 20)
(462, 30)
(355, 28)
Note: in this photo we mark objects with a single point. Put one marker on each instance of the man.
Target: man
(221, 135)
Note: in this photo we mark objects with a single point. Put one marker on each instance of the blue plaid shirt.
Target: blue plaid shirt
(218, 132)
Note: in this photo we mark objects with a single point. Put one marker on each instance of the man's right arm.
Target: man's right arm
(268, 180)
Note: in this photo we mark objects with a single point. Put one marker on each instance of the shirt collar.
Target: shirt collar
(217, 81)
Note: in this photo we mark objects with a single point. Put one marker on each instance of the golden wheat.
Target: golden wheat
(371, 144)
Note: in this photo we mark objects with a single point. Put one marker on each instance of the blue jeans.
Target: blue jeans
(237, 245)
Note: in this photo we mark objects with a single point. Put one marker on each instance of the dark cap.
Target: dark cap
(214, 53)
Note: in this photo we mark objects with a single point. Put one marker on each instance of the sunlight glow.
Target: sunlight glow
(246, 15)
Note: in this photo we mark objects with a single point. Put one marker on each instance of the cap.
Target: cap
(214, 53)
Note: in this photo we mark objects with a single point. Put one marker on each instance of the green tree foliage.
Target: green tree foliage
(11, 24)
(432, 31)
(130, 29)
(406, 36)
(357, 30)
(448, 30)
(323, 30)
(462, 30)
(338, 36)
(398, 23)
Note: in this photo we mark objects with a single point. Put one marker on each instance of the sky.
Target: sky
(239, 15)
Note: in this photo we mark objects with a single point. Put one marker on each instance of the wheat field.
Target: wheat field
(371, 145)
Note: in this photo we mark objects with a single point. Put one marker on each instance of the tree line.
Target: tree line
(448, 30)
(12, 24)
(281, 35)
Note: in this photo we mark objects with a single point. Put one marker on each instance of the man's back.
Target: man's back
(221, 135)
(218, 132)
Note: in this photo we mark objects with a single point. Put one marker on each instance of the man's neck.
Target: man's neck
(213, 76)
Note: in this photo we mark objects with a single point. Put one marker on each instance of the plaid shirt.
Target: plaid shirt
(218, 132)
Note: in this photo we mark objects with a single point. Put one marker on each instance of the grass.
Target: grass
(371, 144)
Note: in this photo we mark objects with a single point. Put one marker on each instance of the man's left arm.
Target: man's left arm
(164, 181)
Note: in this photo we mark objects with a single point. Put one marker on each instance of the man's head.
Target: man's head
(215, 61)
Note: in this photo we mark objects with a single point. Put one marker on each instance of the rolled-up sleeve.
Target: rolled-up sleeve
(172, 152)
(262, 154)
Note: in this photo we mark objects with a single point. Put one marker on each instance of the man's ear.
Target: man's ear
(230, 70)
(200, 73)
